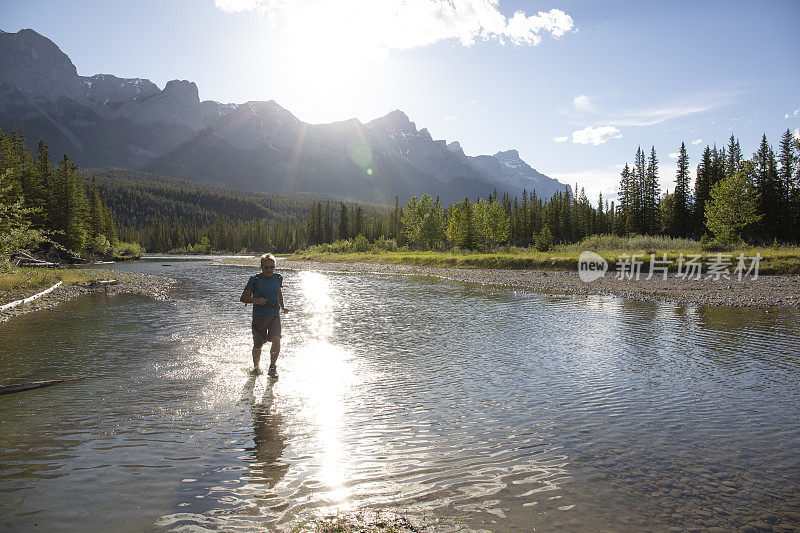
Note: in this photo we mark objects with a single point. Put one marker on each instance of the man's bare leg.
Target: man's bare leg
(256, 357)
(274, 351)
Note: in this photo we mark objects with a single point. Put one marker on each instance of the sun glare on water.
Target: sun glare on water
(328, 376)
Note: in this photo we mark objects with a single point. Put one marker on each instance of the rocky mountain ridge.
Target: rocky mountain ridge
(104, 120)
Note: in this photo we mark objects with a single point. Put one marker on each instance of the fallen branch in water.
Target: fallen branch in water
(10, 389)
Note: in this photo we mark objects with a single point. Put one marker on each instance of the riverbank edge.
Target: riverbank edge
(782, 291)
(150, 285)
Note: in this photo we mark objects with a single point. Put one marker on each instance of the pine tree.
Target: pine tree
(601, 216)
(109, 226)
(344, 223)
(96, 214)
(358, 222)
(702, 189)
(639, 187)
(526, 226)
(328, 226)
(788, 167)
(733, 163)
(10, 168)
(44, 176)
(650, 194)
(70, 215)
(766, 184)
(681, 200)
(625, 206)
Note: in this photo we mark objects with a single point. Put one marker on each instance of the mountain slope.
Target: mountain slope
(103, 120)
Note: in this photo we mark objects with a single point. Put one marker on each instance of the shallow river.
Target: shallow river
(460, 406)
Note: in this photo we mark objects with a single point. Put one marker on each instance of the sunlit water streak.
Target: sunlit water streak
(476, 406)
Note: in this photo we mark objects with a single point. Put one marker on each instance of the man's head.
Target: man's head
(267, 264)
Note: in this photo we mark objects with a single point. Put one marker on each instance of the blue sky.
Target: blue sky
(575, 86)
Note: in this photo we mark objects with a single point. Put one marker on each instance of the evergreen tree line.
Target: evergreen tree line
(54, 198)
(769, 180)
(324, 223)
(163, 214)
(166, 214)
(760, 196)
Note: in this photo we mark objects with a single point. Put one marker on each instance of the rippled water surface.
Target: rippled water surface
(458, 405)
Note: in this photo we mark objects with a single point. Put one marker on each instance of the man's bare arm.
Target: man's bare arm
(280, 300)
(247, 298)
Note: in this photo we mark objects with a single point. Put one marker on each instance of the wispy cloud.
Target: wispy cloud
(582, 103)
(650, 116)
(674, 155)
(406, 24)
(560, 139)
(697, 141)
(796, 113)
(657, 115)
(595, 135)
(450, 117)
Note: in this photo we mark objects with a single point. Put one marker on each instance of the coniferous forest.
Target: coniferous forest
(43, 202)
(732, 199)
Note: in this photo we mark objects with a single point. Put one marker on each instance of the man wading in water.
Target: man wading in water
(264, 292)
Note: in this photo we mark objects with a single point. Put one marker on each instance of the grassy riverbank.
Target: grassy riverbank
(22, 282)
(774, 260)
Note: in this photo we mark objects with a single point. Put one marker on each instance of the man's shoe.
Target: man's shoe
(272, 372)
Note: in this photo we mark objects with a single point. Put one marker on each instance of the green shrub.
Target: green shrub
(544, 241)
(361, 244)
(100, 245)
(610, 242)
(386, 245)
(126, 250)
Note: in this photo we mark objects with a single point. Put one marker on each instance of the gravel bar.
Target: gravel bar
(156, 287)
(764, 291)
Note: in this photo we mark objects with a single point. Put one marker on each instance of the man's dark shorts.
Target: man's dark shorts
(263, 330)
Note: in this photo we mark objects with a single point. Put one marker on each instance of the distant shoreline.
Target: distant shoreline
(765, 291)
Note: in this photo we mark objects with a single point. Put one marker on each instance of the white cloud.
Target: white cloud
(674, 155)
(560, 139)
(450, 117)
(595, 135)
(405, 24)
(582, 103)
(795, 114)
(697, 141)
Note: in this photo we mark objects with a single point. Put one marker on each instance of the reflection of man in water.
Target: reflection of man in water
(269, 441)
(265, 293)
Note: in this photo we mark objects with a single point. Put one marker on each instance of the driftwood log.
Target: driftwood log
(21, 387)
(25, 259)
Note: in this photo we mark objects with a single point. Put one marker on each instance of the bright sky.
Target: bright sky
(574, 85)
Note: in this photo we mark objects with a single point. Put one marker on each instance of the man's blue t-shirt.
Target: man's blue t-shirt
(268, 288)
